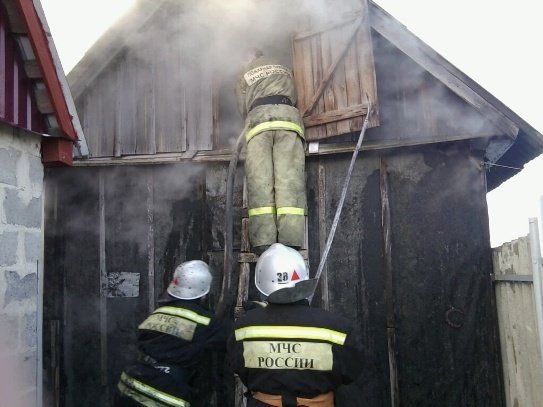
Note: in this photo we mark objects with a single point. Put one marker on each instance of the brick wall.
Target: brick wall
(21, 257)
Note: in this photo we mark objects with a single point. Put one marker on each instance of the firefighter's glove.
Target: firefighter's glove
(249, 305)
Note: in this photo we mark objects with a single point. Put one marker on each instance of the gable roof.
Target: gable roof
(109, 45)
(528, 142)
(523, 143)
(42, 66)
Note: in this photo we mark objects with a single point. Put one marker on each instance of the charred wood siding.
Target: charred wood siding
(446, 326)
(446, 343)
(100, 326)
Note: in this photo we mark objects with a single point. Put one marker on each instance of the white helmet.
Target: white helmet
(191, 280)
(282, 276)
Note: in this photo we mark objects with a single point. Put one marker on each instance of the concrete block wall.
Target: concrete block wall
(21, 271)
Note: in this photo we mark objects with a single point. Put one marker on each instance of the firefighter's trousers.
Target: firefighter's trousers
(275, 171)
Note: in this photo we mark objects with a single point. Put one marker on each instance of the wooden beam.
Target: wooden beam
(56, 152)
(389, 284)
(336, 115)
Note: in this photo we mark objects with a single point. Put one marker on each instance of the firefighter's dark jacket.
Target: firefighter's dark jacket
(172, 341)
(293, 349)
(181, 332)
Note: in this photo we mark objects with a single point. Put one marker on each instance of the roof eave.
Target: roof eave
(52, 72)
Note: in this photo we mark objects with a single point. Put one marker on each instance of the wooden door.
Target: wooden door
(335, 72)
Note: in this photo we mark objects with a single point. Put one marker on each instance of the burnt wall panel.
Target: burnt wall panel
(77, 265)
(153, 220)
(178, 218)
(158, 216)
(126, 255)
(447, 346)
(354, 266)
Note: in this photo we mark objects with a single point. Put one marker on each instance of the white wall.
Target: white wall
(21, 271)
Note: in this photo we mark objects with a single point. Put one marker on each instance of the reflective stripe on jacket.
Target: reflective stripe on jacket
(180, 333)
(274, 125)
(148, 395)
(262, 78)
(271, 210)
(295, 349)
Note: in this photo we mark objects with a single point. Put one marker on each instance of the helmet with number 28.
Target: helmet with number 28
(282, 275)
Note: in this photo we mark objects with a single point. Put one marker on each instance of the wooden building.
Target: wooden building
(411, 261)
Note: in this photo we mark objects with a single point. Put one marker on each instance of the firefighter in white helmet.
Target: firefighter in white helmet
(287, 353)
(172, 341)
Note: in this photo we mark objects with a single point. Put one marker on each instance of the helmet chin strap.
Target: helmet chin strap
(300, 291)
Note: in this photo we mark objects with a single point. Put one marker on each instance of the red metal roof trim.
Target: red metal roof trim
(40, 45)
(17, 106)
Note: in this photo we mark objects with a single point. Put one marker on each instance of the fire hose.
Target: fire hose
(224, 299)
(332, 232)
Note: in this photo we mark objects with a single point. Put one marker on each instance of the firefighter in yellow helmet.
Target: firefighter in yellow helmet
(288, 354)
(172, 341)
(275, 161)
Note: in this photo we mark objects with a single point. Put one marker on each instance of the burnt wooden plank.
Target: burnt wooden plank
(353, 88)
(365, 66)
(336, 62)
(144, 106)
(333, 116)
(80, 292)
(128, 114)
(342, 36)
(329, 99)
(126, 232)
(118, 105)
(308, 81)
(106, 119)
(298, 71)
(323, 229)
(316, 62)
(389, 284)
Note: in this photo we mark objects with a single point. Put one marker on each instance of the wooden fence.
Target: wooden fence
(515, 302)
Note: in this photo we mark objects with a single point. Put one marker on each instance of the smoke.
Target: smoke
(221, 30)
(204, 44)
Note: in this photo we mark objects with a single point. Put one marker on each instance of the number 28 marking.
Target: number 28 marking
(282, 278)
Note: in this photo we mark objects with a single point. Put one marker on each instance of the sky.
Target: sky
(495, 42)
